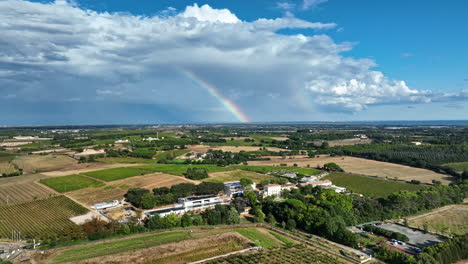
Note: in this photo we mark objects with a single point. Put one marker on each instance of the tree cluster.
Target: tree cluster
(143, 198)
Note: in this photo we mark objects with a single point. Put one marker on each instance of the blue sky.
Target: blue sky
(311, 60)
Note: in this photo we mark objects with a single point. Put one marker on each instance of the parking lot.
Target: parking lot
(416, 237)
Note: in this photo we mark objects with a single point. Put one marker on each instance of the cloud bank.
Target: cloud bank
(58, 52)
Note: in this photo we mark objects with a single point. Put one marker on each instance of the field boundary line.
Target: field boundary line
(227, 255)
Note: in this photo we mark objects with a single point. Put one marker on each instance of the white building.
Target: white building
(416, 143)
(235, 187)
(122, 141)
(150, 139)
(325, 183)
(309, 179)
(289, 175)
(188, 204)
(272, 189)
(101, 206)
(288, 186)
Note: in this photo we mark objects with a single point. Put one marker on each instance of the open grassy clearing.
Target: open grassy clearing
(39, 217)
(261, 237)
(28, 191)
(116, 189)
(114, 247)
(169, 247)
(180, 169)
(36, 163)
(70, 183)
(82, 168)
(170, 154)
(452, 219)
(362, 166)
(458, 166)
(349, 141)
(369, 186)
(117, 173)
(6, 157)
(225, 176)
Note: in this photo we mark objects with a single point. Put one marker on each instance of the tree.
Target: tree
(209, 188)
(196, 173)
(186, 220)
(291, 224)
(197, 220)
(147, 201)
(245, 182)
(332, 167)
(170, 221)
(232, 216)
(270, 219)
(464, 175)
(154, 222)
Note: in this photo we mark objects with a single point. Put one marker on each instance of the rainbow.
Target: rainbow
(227, 104)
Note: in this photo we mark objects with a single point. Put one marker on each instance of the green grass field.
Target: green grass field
(237, 175)
(282, 238)
(180, 169)
(114, 247)
(70, 183)
(370, 186)
(170, 154)
(233, 143)
(117, 173)
(6, 157)
(266, 169)
(259, 238)
(458, 166)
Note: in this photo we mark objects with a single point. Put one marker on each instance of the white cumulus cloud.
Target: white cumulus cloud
(57, 51)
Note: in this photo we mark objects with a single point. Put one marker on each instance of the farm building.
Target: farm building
(318, 183)
(189, 204)
(101, 206)
(122, 141)
(289, 175)
(235, 187)
(272, 189)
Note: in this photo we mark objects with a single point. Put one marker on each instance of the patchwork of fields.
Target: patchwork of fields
(362, 166)
(117, 173)
(369, 186)
(38, 218)
(225, 176)
(172, 247)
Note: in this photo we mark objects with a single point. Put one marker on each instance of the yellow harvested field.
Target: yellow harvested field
(350, 141)
(452, 220)
(116, 189)
(6, 167)
(224, 176)
(28, 191)
(204, 148)
(361, 166)
(37, 163)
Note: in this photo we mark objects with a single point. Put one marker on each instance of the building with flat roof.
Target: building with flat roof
(272, 189)
(102, 206)
(187, 204)
(235, 187)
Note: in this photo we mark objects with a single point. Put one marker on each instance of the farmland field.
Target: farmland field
(452, 219)
(458, 166)
(70, 183)
(5, 156)
(113, 247)
(7, 168)
(117, 173)
(204, 148)
(170, 154)
(180, 169)
(362, 166)
(130, 160)
(261, 237)
(35, 163)
(169, 247)
(116, 189)
(36, 218)
(369, 186)
(267, 169)
(299, 254)
(236, 175)
(27, 191)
